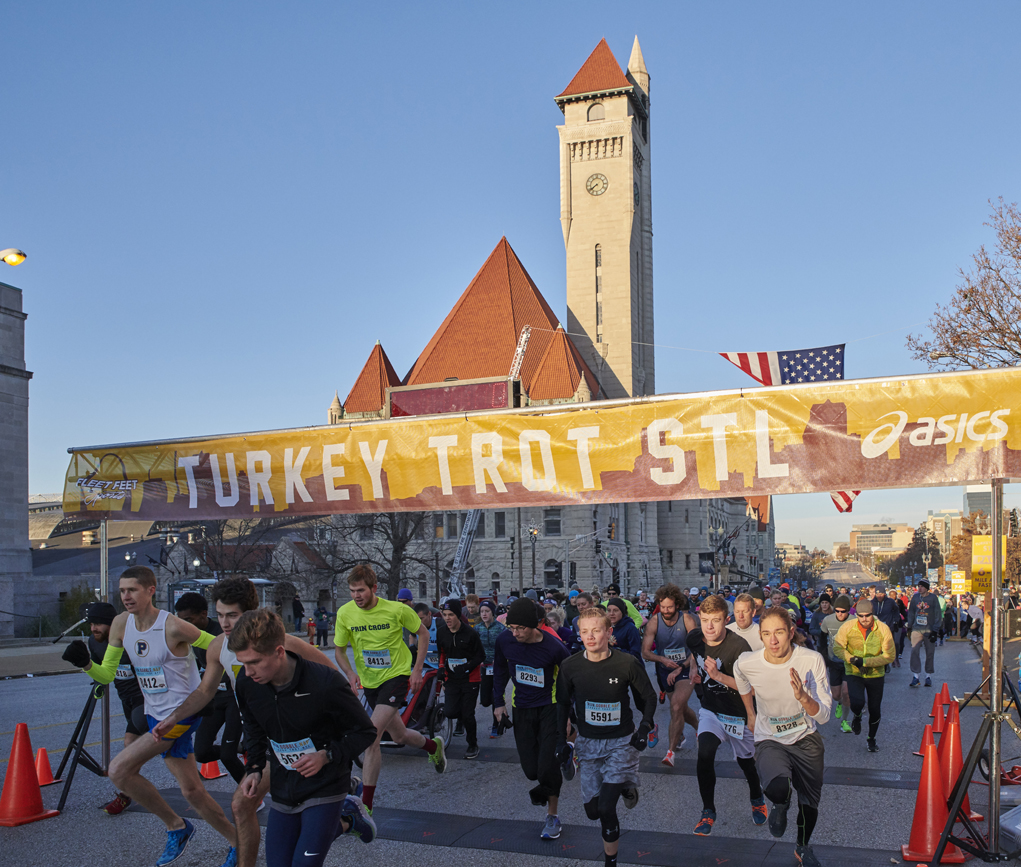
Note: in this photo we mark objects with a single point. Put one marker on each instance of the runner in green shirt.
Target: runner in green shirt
(374, 627)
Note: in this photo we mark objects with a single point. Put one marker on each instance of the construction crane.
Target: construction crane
(455, 586)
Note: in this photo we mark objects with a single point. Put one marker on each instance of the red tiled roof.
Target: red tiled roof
(369, 391)
(313, 556)
(560, 371)
(478, 338)
(600, 72)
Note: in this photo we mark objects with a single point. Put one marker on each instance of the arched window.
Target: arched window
(596, 111)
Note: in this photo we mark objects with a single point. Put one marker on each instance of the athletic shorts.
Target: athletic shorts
(663, 673)
(836, 671)
(390, 693)
(743, 747)
(610, 760)
(135, 715)
(181, 737)
(802, 761)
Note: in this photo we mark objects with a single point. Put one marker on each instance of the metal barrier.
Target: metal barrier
(38, 617)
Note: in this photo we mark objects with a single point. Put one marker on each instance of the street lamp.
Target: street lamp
(13, 256)
(533, 537)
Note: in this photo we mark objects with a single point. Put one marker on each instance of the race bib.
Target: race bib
(432, 659)
(453, 663)
(489, 670)
(288, 754)
(921, 620)
(602, 713)
(123, 672)
(152, 680)
(732, 725)
(530, 676)
(376, 658)
(676, 654)
(781, 726)
(221, 687)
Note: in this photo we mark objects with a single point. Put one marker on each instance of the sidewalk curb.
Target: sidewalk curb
(38, 674)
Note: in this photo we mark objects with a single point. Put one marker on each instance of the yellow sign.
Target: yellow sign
(937, 429)
(982, 563)
(959, 582)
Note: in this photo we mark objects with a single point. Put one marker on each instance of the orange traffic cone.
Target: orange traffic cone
(953, 714)
(211, 771)
(42, 768)
(938, 723)
(927, 740)
(937, 705)
(930, 817)
(945, 693)
(950, 764)
(22, 801)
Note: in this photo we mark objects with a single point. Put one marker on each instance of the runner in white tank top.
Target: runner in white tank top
(166, 680)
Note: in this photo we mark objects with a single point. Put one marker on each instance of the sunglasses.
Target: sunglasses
(841, 610)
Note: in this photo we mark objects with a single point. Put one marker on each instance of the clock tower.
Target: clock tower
(606, 215)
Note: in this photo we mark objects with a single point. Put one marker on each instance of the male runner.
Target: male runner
(100, 615)
(531, 658)
(792, 695)
(722, 717)
(461, 657)
(221, 712)
(312, 725)
(374, 628)
(828, 629)
(668, 631)
(613, 592)
(233, 597)
(924, 619)
(158, 645)
(865, 645)
(594, 685)
(744, 623)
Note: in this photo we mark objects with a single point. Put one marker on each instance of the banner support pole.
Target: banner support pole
(104, 596)
(995, 666)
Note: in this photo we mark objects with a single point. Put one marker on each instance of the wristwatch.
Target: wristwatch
(329, 755)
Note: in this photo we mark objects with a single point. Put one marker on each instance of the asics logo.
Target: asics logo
(984, 426)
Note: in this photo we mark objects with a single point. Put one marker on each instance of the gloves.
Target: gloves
(640, 739)
(562, 754)
(933, 637)
(504, 724)
(77, 653)
(857, 662)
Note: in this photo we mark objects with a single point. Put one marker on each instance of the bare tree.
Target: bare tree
(981, 326)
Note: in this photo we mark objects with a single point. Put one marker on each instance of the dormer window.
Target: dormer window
(596, 111)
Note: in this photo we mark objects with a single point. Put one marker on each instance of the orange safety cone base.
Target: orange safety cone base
(211, 771)
(24, 820)
(951, 855)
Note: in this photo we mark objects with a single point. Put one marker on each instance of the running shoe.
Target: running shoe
(177, 842)
(232, 858)
(928, 681)
(567, 767)
(872, 745)
(439, 758)
(845, 727)
(778, 817)
(495, 732)
(662, 697)
(473, 752)
(459, 730)
(856, 724)
(117, 806)
(357, 815)
(839, 712)
(668, 759)
(551, 830)
(682, 744)
(355, 788)
(630, 797)
(806, 857)
(915, 682)
(759, 811)
(705, 825)
(654, 736)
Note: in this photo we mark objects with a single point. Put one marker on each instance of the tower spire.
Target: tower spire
(636, 67)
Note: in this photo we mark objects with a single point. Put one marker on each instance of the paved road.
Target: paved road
(847, 575)
(482, 809)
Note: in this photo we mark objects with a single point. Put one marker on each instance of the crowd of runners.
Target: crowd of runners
(768, 668)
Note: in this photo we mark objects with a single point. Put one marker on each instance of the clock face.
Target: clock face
(596, 185)
(638, 195)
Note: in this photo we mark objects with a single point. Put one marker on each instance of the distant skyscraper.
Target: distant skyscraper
(978, 498)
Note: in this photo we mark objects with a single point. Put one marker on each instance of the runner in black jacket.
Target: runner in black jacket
(307, 719)
(461, 657)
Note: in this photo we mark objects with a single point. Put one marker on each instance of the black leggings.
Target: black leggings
(604, 808)
(535, 736)
(459, 703)
(223, 713)
(708, 744)
(779, 791)
(857, 689)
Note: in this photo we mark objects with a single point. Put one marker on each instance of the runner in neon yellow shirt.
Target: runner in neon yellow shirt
(374, 627)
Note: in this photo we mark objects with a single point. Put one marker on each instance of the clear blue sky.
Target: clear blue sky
(225, 205)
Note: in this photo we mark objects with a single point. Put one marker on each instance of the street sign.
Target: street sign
(959, 582)
(982, 563)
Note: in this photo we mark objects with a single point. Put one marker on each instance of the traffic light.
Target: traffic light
(613, 530)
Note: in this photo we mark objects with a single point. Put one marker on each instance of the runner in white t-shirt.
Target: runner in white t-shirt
(744, 623)
(792, 699)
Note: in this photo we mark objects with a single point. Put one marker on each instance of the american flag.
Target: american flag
(822, 364)
(787, 368)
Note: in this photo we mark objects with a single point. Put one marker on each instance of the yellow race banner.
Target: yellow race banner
(937, 429)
